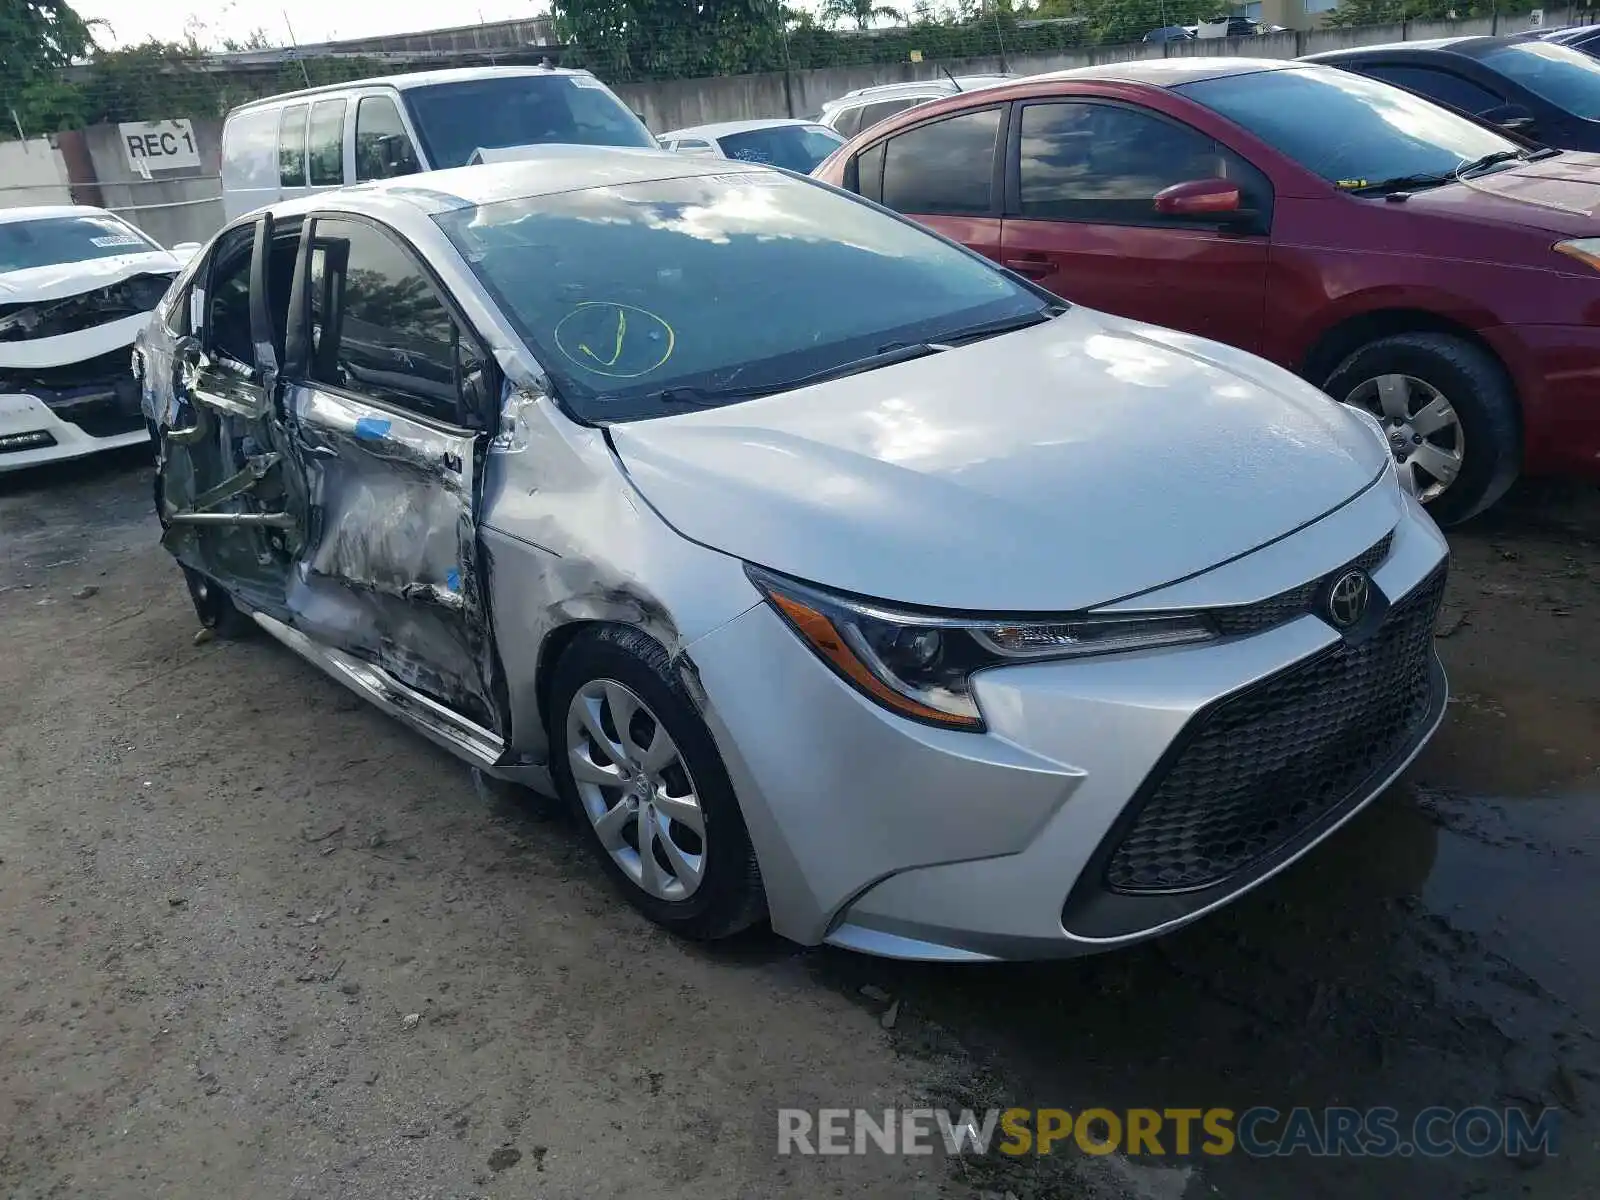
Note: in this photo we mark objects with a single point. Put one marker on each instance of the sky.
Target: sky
(133, 21)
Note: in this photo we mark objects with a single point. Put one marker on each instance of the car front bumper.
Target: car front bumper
(883, 835)
(32, 434)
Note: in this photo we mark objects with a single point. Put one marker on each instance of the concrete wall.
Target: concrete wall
(171, 206)
(676, 103)
(32, 172)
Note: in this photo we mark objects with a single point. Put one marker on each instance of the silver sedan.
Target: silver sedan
(830, 573)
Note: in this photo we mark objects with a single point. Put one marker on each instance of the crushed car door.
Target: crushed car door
(388, 394)
(227, 494)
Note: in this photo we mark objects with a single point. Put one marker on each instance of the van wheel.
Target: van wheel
(216, 610)
(633, 758)
(1450, 414)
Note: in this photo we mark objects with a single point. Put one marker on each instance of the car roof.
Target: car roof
(940, 86)
(1162, 72)
(1469, 47)
(415, 79)
(556, 169)
(724, 128)
(41, 212)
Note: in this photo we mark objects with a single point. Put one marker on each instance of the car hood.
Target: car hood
(1057, 468)
(60, 280)
(1560, 194)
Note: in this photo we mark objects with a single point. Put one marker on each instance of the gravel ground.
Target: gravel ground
(258, 940)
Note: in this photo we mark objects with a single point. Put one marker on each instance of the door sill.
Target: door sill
(466, 739)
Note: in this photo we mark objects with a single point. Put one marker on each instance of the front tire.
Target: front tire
(632, 756)
(1450, 412)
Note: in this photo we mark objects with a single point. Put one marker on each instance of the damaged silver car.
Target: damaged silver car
(828, 571)
(76, 286)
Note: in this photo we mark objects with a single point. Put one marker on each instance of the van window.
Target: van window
(325, 143)
(454, 119)
(249, 146)
(292, 146)
(379, 129)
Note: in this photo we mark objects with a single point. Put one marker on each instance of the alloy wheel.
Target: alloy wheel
(1424, 432)
(636, 789)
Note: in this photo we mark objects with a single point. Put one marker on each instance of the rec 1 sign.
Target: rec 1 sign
(159, 146)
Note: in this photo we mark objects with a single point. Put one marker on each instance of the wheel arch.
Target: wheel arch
(1336, 343)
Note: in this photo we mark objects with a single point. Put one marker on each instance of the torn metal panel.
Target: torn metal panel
(571, 541)
(391, 564)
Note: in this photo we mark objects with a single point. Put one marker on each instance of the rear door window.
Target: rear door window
(943, 167)
(292, 146)
(884, 109)
(325, 143)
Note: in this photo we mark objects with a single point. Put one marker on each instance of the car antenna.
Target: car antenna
(949, 76)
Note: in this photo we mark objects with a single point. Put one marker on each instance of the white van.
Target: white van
(326, 137)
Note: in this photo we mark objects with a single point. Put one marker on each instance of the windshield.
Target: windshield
(1349, 129)
(454, 119)
(51, 240)
(793, 147)
(721, 281)
(1566, 77)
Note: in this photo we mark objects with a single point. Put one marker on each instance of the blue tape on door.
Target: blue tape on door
(370, 429)
(452, 580)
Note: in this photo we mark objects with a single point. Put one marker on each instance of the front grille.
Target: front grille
(1275, 610)
(1270, 761)
(98, 395)
(105, 418)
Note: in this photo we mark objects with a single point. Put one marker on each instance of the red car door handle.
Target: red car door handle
(1032, 267)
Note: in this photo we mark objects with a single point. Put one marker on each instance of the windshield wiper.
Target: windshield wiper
(884, 356)
(1400, 183)
(976, 333)
(1427, 179)
(1487, 161)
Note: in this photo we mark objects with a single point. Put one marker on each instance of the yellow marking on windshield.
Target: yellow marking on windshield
(638, 346)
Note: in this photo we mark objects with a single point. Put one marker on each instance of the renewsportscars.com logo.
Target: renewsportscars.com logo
(1260, 1132)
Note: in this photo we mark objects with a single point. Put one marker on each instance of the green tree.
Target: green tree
(37, 39)
(862, 12)
(623, 40)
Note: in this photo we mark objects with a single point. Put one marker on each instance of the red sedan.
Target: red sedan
(1400, 256)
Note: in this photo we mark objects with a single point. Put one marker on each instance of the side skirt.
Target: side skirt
(468, 741)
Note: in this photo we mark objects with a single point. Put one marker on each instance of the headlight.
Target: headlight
(921, 665)
(1585, 250)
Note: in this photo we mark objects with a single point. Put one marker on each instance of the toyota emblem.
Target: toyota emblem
(1348, 598)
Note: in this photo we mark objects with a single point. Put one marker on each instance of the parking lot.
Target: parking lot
(259, 940)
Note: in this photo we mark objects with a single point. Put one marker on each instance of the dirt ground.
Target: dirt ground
(227, 886)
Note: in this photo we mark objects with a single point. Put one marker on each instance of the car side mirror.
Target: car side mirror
(1200, 198)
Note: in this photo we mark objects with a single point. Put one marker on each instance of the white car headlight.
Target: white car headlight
(921, 665)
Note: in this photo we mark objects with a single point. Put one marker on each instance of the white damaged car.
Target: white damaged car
(77, 284)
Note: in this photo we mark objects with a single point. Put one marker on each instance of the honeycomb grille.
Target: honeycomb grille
(1275, 610)
(1267, 763)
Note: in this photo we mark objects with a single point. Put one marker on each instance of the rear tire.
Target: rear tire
(1433, 366)
(650, 772)
(216, 610)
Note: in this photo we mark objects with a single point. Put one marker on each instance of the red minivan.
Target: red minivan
(1398, 255)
